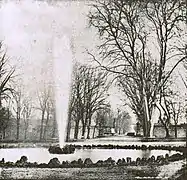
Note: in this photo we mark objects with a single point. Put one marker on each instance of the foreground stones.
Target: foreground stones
(80, 163)
(69, 149)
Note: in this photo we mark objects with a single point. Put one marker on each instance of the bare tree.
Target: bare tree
(140, 93)
(126, 29)
(50, 115)
(176, 112)
(5, 120)
(88, 96)
(53, 114)
(76, 107)
(26, 113)
(18, 108)
(96, 94)
(100, 122)
(43, 98)
(165, 113)
(170, 109)
(6, 75)
(22, 108)
(71, 114)
(123, 122)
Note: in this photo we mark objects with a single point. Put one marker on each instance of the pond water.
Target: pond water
(41, 155)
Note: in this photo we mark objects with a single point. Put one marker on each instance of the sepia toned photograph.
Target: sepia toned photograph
(93, 89)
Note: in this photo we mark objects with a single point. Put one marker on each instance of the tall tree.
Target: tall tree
(122, 122)
(44, 96)
(5, 120)
(76, 107)
(27, 113)
(6, 76)
(101, 121)
(127, 30)
(176, 113)
(89, 92)
(53, 114)
(18, 108)
(50, 115)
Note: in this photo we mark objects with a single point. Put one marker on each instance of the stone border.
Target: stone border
(71, 148)
(55, 163)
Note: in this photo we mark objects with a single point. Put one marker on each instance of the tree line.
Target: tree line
(18, 108)
(88, 96)
(88, 103)
(142, 43)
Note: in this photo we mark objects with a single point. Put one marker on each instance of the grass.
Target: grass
(101, 173)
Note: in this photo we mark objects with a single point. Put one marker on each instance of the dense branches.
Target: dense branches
(139, 39)
(6, 75)
(89, 93)
(46, 106)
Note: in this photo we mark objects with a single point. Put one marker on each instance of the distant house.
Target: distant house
(159, 130)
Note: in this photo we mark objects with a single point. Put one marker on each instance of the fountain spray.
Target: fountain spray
(63, 66)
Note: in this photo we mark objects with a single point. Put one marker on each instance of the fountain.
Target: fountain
(63, 63)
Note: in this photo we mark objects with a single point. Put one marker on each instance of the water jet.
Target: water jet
(63, 66)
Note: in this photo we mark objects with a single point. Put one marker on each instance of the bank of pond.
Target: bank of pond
(178, 153)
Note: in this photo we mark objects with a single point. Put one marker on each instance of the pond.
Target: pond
(41, 155)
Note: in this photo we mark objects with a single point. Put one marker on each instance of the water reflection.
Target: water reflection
(146, 153)
(41, 155)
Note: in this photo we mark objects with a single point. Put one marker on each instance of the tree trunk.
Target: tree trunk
(83, 131)
(68, 132)
(147, 116)
(145, 128)
(4, 134)
(101, 131)
(175, 130)
(42, 123)
(18, 126)
(25, 134)
(76, 131)
(119, 131)
(93, 136)
(154, 118)
(54, 126)
(114, 123)
(46, 126)
(151, 134)
(68, 127)
(88, 133)
(167, 131)
(88, 127)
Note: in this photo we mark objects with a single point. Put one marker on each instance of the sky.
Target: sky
(28, 30)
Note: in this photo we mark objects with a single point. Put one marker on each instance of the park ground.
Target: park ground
(115, 140)
(171, 171)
